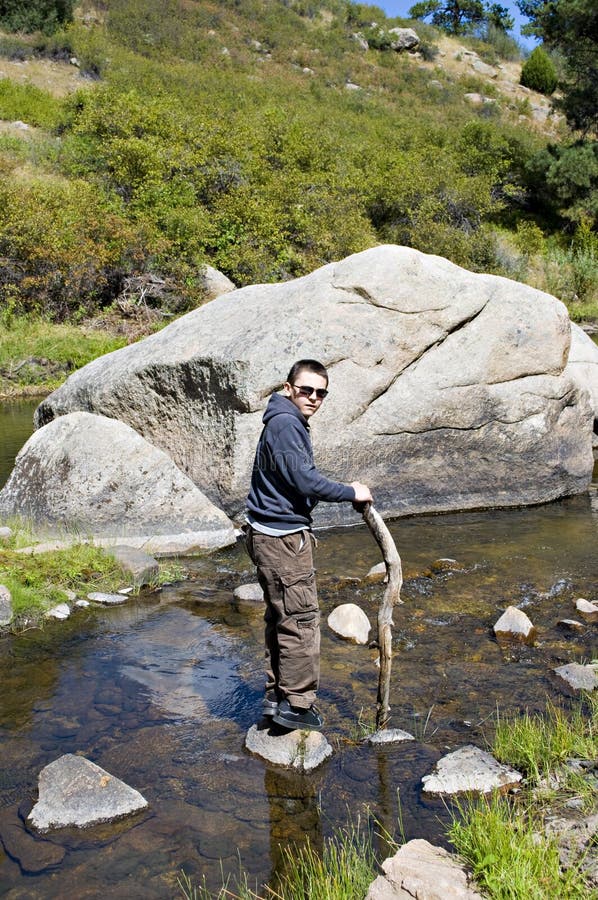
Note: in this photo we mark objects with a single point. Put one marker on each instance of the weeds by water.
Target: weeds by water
(510, 858)
(504, 839)
(343, 871)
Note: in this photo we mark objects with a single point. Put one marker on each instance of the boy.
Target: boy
(285, 487)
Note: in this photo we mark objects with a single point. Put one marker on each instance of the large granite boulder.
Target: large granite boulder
(582, 364)
(447, 388)
(97, 476)
(421, 870)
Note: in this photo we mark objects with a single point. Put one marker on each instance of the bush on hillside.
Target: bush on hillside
(35, 15)
(538, 72)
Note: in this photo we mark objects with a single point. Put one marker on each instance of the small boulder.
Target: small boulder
(470, 769)
(300, 750)
(588, 610)
(5, 533)
(215, 283)
(446, 564)
(5, 606)
(142, 567)
(350, 622)
(403, 39)
(418, 869)
(106, 599)
(483, 68)
(82, 604)
(377, 573)
(580, 678)
(75, 792)
(249, 593)
(514, 625)
(60, 611)
(389, 736)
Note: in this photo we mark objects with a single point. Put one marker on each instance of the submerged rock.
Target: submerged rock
(389, 736)
(571, 625)
(301, 750)
(32, 854)
(426, 361)
(377, 573)
(470, 769)
(75, 792)
(249, 593)
(350, 622)
(419, 869)
(99, 477)
(580, 678)
(5, 606)
(514, 625)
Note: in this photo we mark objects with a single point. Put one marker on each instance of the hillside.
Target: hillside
(264, 138)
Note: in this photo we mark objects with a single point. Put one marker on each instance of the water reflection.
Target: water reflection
(16, 426)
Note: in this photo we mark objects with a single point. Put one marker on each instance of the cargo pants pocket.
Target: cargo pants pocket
(299, 593)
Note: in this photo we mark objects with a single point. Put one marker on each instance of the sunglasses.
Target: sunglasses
(305, 390)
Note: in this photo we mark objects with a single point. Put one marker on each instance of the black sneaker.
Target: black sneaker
(270, 703)
(294, 718)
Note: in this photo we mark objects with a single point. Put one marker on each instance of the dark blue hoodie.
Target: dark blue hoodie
(285, 485)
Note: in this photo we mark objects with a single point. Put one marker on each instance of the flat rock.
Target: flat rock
(579, 677)
(300, 750)
(514, 625)
(250, 593)
(571, 625)
(60, 611)
(588, 609)
(389, 736)
(75, 792)
(142, 567)
(420, 870)
(5, 606)
(81, 603)
(435, 361)
(107, 599)
(470, 769)
(350, 622)
(99, 477)
(32, 854)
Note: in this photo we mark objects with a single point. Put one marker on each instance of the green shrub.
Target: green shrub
(28, 103)
(539, 73)
(35, 15)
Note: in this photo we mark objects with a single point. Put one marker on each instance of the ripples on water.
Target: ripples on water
(160, 692)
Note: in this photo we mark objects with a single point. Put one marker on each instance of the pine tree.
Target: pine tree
(35, 15)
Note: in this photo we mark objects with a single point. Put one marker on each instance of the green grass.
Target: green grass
(509, 856)
(25, 339)
(343, 871)
(503, 839)
(29, 104)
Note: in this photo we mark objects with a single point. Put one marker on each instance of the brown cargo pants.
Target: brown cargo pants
(286, 574)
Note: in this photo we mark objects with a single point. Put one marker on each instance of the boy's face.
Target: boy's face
(307, 404)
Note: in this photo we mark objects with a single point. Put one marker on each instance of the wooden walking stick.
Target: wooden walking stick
(392, 595)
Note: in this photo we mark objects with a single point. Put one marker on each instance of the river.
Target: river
(160, 692)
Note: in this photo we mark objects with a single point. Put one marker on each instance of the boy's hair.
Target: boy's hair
(308, 365)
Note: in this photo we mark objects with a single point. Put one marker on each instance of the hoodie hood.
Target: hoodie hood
(279, 404)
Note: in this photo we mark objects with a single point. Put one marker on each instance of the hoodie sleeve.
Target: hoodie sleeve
(292, 453)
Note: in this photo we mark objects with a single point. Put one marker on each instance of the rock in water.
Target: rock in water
(60, 611)
(377, 573)
(582, 363)
(301, 750)
(470, 769)
(75, 792)
(580, 678)
(350, 622)
(5, 606)
(418, 869)
(250, 593)
(588, 610)
(515, 625)
(389, 736)
(426, 361)
(107, 599)
(98, 476)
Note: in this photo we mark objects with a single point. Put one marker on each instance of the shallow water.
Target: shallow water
(161, 691)
(16, 425)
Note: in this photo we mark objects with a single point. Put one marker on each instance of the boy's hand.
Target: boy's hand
(362, 492)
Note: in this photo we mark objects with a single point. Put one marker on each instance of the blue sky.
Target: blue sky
(401, 7)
